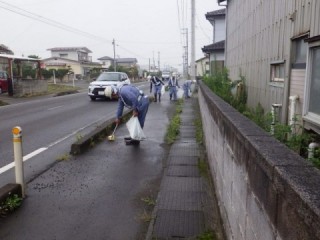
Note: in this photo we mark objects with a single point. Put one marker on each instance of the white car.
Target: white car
(166, 75)
(97, 87)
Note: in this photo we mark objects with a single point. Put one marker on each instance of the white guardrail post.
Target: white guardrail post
(18, 157)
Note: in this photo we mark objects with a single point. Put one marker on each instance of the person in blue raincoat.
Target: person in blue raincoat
(156, 83)
(173, 84)
(187, 87)
(132, 98)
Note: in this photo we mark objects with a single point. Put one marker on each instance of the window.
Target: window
(63, 55)
(314, 85)
(277, 72)
(300, 53)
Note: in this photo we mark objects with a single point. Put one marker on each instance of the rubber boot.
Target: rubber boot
(155, 97)
(159, 97)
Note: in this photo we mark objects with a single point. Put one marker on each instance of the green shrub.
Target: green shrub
(296, 138)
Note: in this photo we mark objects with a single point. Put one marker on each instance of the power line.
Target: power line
(22, 12)
(28, 14)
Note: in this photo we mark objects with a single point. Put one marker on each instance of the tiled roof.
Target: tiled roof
(69, 49)
(214, 47)
(105, 58)
(220, 1)
(120, 60)
(220, 12)
(126, 60)
(4, 49)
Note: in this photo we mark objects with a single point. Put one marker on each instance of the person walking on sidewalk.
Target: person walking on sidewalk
(131, 97)
(173, 84)
(157, 85)
(187, 88)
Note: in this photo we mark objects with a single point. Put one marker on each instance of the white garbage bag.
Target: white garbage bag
(163, 90)
(135, 129)
(180, 93)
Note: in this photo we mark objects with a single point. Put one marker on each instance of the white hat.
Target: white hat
(108, 91)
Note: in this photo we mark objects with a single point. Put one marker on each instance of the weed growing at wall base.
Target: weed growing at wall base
(11, 203)
(295, 137)
(173, 128)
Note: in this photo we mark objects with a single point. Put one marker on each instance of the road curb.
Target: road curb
(86, 142)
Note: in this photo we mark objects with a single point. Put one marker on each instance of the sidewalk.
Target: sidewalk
(185, 207)
(83, 198)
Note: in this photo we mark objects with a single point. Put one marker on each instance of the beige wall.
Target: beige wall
(260, 32)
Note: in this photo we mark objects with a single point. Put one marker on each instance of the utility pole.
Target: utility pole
(185, 54)
(114, 55)
(159, 61)
(193, 41)
(154, 65)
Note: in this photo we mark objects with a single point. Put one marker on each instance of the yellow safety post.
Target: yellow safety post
(18, 157)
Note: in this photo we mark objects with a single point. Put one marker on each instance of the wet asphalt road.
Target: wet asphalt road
(96, 195)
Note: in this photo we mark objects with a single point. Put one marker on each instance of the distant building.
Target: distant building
(5, 50)
(124, 62)
(202, 67)
(215, 51)
(275, 45)
(76, 59)
(106, 62)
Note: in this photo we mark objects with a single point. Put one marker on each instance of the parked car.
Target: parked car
(166, 75)
(97, 87)
(3, 81)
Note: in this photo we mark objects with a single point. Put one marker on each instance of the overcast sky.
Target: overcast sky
(142, 29)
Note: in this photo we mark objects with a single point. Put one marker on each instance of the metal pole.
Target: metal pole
(114, 55)
(54, 76)
(18, 157)
(193, 41)
(159, 61)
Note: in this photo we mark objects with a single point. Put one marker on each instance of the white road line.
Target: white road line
(34, 153)
(55, 107)
(40, 150)
(6, 168)
(25, 158)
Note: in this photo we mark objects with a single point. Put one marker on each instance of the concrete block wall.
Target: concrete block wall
(265, 190)
(29, 87)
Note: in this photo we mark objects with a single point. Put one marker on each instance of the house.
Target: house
(5, 50)
(275, 45)
(76, 59)
(127, 62)
(202, 67)
(215, 51)
(24, 75)
(106, 62)
(123, 62)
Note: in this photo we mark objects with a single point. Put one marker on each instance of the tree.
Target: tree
(33, 56)
(61, 73)
(47, 73)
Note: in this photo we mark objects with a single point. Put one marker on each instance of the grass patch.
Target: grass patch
(199, 131)
(60, 89)
(173, 130)
(174, 125)
(57, 89)
(207, 235)
(145, 217)
(3, 103)
(149, 201)
(64, 157)
(203, 168)
(11, 203)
